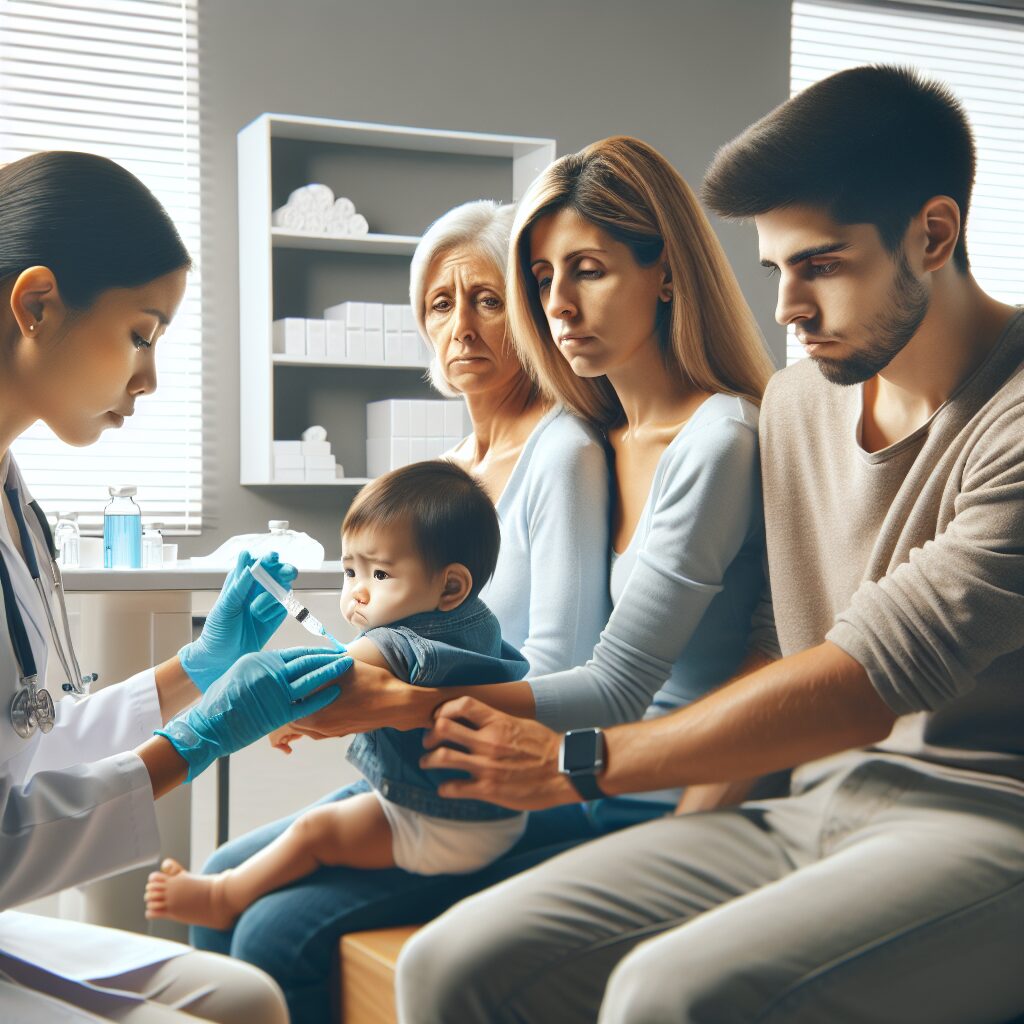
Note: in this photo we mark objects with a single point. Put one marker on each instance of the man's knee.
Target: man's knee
(443, 974)
(658, 985)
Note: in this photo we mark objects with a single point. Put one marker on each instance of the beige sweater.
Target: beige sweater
(911, 559)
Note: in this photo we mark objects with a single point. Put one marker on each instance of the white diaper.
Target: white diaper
(443, 846)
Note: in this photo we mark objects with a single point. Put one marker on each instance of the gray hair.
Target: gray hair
(482, 224)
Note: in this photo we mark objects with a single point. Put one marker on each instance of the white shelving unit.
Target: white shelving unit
(436, 162)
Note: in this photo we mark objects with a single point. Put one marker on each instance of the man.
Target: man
(889, 886)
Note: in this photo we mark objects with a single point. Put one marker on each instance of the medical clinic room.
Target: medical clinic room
(593, 427)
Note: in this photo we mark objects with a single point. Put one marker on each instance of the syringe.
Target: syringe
(295, 608)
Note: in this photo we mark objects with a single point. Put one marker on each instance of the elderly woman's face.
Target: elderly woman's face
(465, 318)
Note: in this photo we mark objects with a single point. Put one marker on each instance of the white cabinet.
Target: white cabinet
(400, 179)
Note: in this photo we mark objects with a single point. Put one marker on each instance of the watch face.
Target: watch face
(581, 750)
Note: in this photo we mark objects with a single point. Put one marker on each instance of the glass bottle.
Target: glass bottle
(66, 539)
(122, 530)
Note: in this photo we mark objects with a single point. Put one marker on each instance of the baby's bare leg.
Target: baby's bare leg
(352, 832)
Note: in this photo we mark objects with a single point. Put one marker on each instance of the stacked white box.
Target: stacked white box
(374, 333)
(316, 338)
(304, 462)
(400, 431)
(289, 336)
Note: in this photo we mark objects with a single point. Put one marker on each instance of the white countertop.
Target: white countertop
(184, 576)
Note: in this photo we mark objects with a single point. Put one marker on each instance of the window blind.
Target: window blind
(983, 63)
(118, 78)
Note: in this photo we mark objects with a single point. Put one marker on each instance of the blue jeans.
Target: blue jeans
(293, 933)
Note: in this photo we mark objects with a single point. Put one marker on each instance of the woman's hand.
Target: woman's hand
(512, 761)
(371, 698)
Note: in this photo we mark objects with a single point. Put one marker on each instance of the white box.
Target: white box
(339, 471)
(355, 344)
(287, 448)
(323, 462)
(392, 318)
(316, 338)
(393, 347)
(435, 420)
(419, 449)
(320, 476)
(315, 447)
(288, 462)
(399, 452)
(336, 313)
(374, 345)
(335, 340)
(374, 315)
(417, 419)
(413, 352)
(453, 425)
(290, 476)
(289, 336)
(409, 319)
(377, 451)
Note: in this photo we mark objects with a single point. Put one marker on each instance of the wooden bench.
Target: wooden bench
(368, 974)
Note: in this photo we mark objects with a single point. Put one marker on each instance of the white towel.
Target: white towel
(343, 207)
(357, 225)
(290, 217)
(312, 197)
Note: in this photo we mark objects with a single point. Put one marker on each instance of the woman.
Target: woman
(625, 308)
(547, 473)
(91, 273)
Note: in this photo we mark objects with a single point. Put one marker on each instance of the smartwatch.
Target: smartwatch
(581, 757)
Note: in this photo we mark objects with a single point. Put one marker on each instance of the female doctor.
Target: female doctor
(91, 272)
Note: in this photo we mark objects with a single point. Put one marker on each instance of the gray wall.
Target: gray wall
(685, 75)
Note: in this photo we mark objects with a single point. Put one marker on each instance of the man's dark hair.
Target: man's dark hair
(450, 515)
(869, 146)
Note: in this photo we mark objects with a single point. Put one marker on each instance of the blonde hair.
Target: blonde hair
(482, 225)
(708, 335)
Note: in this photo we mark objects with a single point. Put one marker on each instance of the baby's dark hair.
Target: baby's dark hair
(450, 515)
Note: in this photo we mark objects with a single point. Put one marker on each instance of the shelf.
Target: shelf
(284, 360)
(380, 245)
(346, 481)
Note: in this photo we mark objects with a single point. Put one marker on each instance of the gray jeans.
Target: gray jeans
(881, 895)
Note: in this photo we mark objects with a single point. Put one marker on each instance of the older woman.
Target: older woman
(548, 475)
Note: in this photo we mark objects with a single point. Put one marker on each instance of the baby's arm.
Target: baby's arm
(364, 649)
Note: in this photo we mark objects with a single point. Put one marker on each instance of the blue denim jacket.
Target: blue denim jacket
(456, 648)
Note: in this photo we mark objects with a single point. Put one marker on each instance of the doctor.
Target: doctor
(91, 272)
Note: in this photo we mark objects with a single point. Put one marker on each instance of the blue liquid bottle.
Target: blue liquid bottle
(122, 530)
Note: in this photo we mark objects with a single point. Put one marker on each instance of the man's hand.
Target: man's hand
(512, 761)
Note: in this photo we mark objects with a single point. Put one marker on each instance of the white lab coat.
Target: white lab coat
(75, 804)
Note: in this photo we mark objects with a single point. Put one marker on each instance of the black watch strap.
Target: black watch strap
(586, 785)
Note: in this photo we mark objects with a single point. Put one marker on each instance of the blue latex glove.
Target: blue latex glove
(244, 618)
(260, 693)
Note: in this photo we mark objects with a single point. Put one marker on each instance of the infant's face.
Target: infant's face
(385, 578)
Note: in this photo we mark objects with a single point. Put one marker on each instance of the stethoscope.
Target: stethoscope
(32, 706)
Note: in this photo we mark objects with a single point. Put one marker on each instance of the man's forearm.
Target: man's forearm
(790, 711)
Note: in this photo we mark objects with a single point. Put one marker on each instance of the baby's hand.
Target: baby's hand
(282, 738)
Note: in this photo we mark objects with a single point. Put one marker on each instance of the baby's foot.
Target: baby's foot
(182, 896)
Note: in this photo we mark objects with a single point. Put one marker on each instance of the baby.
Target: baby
(417, 546)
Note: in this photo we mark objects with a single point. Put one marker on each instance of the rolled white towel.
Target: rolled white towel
(314, 433)
(336, 224)
(288, 216)
(357, 225)
(315, 197)
(343, 207)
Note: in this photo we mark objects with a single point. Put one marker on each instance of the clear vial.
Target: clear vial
(67, 540)
(122, 529)
(152, 547)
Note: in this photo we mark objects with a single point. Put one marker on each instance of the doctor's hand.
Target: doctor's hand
(260, 693)
(511, 761)
(244, 618)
